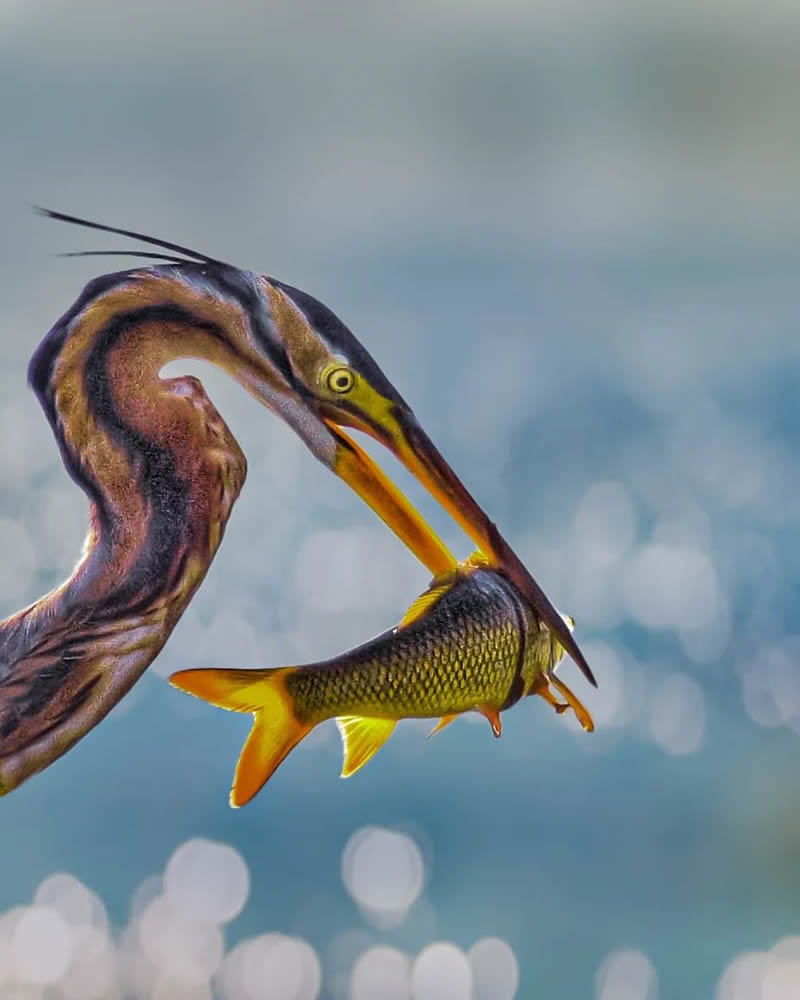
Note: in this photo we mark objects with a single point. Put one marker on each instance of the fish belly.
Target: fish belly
(465, 653)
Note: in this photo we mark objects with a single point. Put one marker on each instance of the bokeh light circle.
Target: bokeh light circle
(381, 972)
(167, 987)
(83, 910)
(42, 945)
(274, 965)
(94, 969)
(206, 880)
(189, 950)
(626, 974)
(495, 971)
(677, 715)
(382, 869)
(441, 970)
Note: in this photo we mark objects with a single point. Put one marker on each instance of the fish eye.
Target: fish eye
(340, 380)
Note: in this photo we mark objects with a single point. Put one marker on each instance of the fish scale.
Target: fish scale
(464, 652)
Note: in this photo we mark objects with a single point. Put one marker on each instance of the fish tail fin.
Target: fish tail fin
(276, 729)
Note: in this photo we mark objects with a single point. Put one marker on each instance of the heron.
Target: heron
(161, 471)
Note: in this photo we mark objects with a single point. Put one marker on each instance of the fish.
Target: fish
(469, 643)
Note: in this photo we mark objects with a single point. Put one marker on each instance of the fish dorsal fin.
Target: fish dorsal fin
(426, 600)
(361, 739)
(440, 585)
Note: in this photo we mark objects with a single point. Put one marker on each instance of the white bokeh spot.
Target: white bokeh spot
(440, 970)
(206, 880)
(495, 971)
(626, 974)
(381, 972)
(383, 870)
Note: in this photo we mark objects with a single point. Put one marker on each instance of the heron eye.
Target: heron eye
(340, 380)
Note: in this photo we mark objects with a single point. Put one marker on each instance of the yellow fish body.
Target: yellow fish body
(469, 643)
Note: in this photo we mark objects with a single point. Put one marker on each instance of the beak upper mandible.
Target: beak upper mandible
(403, 435)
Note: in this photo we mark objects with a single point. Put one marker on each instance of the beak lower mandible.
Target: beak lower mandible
(413, 447)
(367, 479)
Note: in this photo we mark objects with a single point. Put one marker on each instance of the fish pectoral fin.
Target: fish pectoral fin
(492, 714)
(580, 710)
(444, 721)
(426, 600)
(362, 738)
(541, 687)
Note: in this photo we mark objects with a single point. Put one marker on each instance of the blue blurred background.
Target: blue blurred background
(569, 234)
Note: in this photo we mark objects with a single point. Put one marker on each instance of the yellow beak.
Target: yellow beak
(399, 431)
(375, 488)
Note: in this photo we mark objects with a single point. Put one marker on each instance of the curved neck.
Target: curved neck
(149, 453)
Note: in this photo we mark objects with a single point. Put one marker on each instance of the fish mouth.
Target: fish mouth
(400, 432)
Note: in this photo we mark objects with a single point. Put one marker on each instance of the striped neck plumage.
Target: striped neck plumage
(161, 471)
(147, 451)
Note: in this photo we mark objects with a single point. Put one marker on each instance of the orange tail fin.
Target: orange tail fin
(276, 730)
